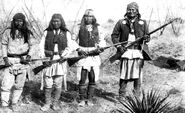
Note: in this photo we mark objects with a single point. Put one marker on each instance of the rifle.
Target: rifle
(4, 66)
(72, 60)
(118, 55)
(32, 60)
(94, 52)
(41, 67)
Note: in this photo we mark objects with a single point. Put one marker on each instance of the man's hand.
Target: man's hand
(121, 49)
(61, 59)
(100, 50)
(25, 61)
(81, 52)
(47, 63)
(6, 61)
(146, 38)
(28, 58)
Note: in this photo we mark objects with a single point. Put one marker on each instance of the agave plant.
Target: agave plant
(150, 102)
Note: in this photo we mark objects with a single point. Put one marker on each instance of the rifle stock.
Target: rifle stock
(38, 69)
(72, 61)
(115, 57)
(32, 60)
(41, 67)
(118, 55)
(3, 66)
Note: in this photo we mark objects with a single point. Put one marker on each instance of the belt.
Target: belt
(16, 55)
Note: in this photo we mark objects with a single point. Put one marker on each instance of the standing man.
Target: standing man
(56, 43)
(132, 60)
(89, 38)
(16, 50)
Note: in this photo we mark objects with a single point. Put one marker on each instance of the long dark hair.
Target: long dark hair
(24, 30)
(63, 25)
(94, 22)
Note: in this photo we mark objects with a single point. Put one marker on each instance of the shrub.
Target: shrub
(151, 102)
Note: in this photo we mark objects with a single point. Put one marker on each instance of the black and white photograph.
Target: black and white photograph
(92, 56)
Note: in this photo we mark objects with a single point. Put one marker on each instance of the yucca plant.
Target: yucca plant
(150, 102)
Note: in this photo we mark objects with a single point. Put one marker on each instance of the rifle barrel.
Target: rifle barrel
(117, 56)
(119, 43)
(132, 43)
(32, 60)
(162, 26)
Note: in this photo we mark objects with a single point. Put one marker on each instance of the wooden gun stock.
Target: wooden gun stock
(38, 69)
(3, 66)
(71, 61)
(115, 57)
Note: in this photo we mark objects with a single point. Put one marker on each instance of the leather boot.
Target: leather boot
(82, 95)
(57, 94)
(90, 94)
(47, 99)
(122, 89)
(137, 88)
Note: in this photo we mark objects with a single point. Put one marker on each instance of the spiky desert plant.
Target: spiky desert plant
(150, 102)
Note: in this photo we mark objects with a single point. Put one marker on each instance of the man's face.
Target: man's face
(56, 23)
(19, 23)
(132, 12)
(88, 19)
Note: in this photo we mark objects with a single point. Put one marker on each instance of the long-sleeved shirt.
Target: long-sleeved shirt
(15, 46)
(122, 31)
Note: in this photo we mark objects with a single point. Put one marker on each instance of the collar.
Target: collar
(56, 32)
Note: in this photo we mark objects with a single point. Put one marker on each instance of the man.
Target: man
(89, 38)
(132, 60)
(56, 44)
(16, 46)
